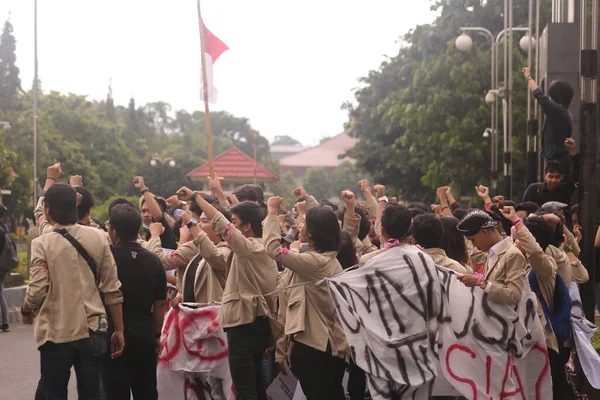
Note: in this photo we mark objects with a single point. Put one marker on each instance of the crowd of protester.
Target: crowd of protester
(98, 289)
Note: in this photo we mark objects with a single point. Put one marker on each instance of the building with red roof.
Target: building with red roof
(237, 168)
(326, 155)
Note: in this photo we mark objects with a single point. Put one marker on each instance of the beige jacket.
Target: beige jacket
(63, 289)
(352, 226)
(565, 269)
(251, 274)
(440, 258)
(283, 345)
(174, 259)
(41, 222)
(211, 274)
(545, 270)
(506, 273)
(310, 314)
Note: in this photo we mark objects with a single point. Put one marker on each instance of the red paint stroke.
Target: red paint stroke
(196, 318)
(545, 371)
(166, 353)
(507, 372)
(453, 375)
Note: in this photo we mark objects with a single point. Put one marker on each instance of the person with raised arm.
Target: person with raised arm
(245, 309)
(319, 345)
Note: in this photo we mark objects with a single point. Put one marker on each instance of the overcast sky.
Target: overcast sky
(290, 67)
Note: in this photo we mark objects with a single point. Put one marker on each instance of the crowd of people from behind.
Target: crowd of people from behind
(98, 290)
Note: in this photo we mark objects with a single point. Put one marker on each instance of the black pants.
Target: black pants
(56, 360)
(319, 373)
(133, 373)
(247, 345)
(560, 387)
(357, 382)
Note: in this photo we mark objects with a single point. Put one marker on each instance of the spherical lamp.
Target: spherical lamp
(527, 41)
(464, 43)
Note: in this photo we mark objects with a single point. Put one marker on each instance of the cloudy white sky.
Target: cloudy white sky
(290, 67)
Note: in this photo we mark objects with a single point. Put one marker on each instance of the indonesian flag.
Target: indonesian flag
(213, 48)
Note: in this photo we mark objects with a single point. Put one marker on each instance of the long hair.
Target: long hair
(453, 242)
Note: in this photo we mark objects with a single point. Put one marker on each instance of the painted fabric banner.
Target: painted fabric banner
(408, 321)
(193, 356)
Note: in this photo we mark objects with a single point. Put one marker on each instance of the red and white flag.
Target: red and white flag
(213, 48)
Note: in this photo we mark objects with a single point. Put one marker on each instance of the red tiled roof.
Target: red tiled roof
(324, 155)
(234, 163)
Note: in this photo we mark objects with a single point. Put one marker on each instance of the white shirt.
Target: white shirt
(492, 253)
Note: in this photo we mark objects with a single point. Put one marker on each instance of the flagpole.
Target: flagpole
(255, 154)
(209, 145)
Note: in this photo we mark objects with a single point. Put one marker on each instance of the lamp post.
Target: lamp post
(464, 43)
(35, 104)
(163, 164)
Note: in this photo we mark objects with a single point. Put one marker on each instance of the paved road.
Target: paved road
(20, 365)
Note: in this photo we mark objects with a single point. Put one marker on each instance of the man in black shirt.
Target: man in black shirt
(144, 287)
(555, 187)
(153, 210)
(558, 121)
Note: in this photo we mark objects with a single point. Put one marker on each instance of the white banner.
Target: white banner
(193, 361)
(406, 320)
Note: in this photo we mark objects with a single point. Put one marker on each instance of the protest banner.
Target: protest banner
(193, 356)
(407, 321)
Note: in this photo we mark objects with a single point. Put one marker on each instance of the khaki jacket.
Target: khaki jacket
(310, 315)
(251, 274)
(283, 345)
(352, 226)
(41, 222)
(565, 269)
(506, 273)
(174, 259)
(440, 258)
(63, 288)
(545, 270)
(211, 274)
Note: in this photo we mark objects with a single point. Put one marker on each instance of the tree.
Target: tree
(317, 183)
(420, 116)
(10, 84)
(285, 140)
(345, 176)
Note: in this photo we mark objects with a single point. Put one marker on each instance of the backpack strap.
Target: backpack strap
(82, 251)
(535, 286)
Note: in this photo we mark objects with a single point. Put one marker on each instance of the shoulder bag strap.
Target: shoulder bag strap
(82, 251)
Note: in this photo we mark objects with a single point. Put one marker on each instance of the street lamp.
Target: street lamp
(526, 42)
(464, 43)
(166, 163)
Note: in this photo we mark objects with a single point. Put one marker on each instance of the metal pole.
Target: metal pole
(538, 139)
(509, 93)
(35, 105)
(588, 144)
(493, 172)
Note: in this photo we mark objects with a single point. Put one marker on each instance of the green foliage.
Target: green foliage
(10, 84)
(345, 177)
(420, 116)
(317, 183)
(285, 140)
(285, 189)
(100, 210)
